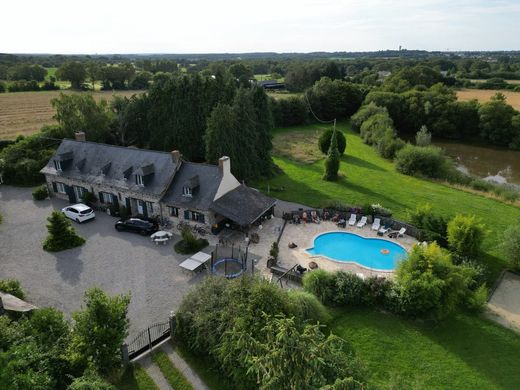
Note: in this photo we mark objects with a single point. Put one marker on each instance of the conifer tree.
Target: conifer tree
(61, 234)
(332, 161)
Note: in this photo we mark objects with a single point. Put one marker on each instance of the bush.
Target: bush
(428, 161)
(89, 198)
(306, 306)
(375, 127)
(40, 193)
(3, 87)
(434, 227)
(189, 243)
(292, 111)
(465, 235)
(61, 234)
(333, 159)
(389, 144)
(325, 138)
(423, 137)
(510, 245)
(364, 113)
(349, 289)
(322, 284)
(23, 86)
(13, 287)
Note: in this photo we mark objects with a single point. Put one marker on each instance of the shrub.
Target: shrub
(61, 234)
(13, 287)
(510, 245)
(389, 144)
(364, 113)
(306, 306)
(377, 209)
(429, 284)
(423, 137)
(189, 243)
(349, 289)
(433, 227)
(478, 299)
(333, 160)
(322, 284)
(325, 139)
(465, 235)
(375, 127)
(428, 161)
(3, 88)
(273, 252)
(40, 193)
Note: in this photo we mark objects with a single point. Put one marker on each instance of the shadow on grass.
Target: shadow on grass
(353, 160)
(488, 348)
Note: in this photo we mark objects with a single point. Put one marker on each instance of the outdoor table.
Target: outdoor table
(161, 236)
(190, 264)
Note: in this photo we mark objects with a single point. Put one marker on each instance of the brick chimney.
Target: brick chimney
(176, 156)
(80, 136)
(224, 165)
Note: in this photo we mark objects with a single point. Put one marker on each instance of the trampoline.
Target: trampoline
(229, 267)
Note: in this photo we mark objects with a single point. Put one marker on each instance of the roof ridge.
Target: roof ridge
(115, 146)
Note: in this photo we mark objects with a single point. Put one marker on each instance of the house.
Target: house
(270, 85)
(152, 183)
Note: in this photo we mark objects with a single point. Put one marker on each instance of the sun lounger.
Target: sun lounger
(377, 224)
(352, 220)
(362, 222)
(383, 230)
(396, 234)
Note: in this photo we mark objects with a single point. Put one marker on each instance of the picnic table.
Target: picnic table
(198, 260)
(161, 237)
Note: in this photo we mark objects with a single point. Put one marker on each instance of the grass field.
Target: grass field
(135, 378)
(368, 178)
(283, 94)
(463, 352)
(484, 80)
(26, 112)
(483, 95)
(172, 374)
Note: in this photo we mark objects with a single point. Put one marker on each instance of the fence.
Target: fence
(148, 338)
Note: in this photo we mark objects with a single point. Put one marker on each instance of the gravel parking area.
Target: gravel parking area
(116, 262)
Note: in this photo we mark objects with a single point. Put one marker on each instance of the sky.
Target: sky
(238, 26)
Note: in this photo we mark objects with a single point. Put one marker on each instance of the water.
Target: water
(491, 163)
(372, 253)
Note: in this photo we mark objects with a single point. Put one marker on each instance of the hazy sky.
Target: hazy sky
(211, 26)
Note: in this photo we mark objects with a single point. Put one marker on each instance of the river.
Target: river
(497, 164)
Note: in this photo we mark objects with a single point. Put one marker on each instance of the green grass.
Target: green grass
(368, 178)
(463, 352)
(174, 377)
(202, 366)
(135, 378)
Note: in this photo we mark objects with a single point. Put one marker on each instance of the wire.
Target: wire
(314, 115)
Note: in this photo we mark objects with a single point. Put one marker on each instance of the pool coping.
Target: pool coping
(352, 261)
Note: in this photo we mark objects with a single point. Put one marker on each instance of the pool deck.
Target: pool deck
(303, 235)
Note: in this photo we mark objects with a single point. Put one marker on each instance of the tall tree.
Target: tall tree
(61, 234)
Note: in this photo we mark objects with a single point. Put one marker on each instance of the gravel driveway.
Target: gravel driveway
(116, 262)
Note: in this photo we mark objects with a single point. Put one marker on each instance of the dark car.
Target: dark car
(137, 225)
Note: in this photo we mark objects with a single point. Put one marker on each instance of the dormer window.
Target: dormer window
(57, 165)
(139, 180)
(186, 191)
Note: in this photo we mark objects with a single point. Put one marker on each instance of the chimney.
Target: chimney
(176, 156)
(224, 165)
(80, 136)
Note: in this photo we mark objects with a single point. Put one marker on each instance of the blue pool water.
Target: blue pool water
(367, 252)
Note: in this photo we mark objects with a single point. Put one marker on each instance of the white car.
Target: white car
(79, 212)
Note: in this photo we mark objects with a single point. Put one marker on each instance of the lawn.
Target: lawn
(463, 352)
(368, 178)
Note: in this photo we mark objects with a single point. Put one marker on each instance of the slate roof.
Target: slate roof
(208, 181)
(243, 205)
(107, 164)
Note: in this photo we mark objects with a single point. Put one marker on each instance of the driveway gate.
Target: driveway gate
(148, 338)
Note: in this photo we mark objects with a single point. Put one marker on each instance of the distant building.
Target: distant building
(270, 84)
(382, 75)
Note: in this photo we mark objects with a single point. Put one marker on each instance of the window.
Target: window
(105, 197)
(149, 208)
(57, 165)
(194, 216)
(60, 187)
(139, 180)
(186, 191)
(173, 211)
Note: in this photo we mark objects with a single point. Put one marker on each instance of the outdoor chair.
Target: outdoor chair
(377, 224)
(352, 220)
(362, 222)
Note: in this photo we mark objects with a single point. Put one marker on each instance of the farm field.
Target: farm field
(26, 112)
(484, 80)
(483, 95)
(368, 178)
(461, 352)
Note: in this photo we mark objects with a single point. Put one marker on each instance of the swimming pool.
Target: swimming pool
(375, 253)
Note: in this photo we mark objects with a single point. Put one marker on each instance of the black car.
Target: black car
(137, 225)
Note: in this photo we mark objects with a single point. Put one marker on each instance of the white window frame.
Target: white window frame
(186, 191)
(57, 165)
(60, 187)
(139, 180)
(173, 211)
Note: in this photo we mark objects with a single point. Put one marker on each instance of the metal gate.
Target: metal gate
(148, 338)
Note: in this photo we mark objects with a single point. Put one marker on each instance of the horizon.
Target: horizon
(304, 26)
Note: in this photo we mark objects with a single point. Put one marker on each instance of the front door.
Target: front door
(70, 192)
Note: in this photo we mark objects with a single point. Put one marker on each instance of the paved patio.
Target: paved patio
(504, 305)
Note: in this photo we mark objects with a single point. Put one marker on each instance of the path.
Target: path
(183, 367)
(154, 371)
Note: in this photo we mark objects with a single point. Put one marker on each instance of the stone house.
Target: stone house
(152, 183)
